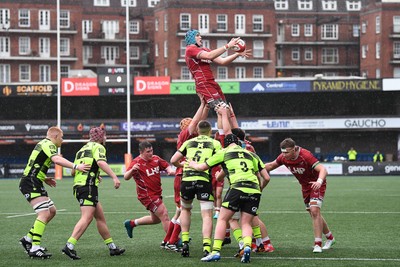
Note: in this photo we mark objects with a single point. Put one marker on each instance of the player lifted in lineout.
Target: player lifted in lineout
(199, 59)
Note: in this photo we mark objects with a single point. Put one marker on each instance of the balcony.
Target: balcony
(214, 32)
(53, 30)
(100, 37)
(34, 55)
(395, 32)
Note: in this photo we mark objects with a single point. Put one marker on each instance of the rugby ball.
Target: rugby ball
(240, 46)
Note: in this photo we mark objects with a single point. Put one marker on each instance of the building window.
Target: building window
(4, 18)
(308, 54)
(258, 22)
(377, 24)
(24, 18)
(330, 74)
(44, 19)
(110, 29)
(304, 4)
(4, 46)
(183, 48)
(5, 73)
(378, 50)
(64, 47)
(153, 3)
(258, 72)
(363, 27)
(44, 47)
(204, 23)
(356, 30)
(156, 50)
(134, 27)
(396, 24)
(131, 3)
(329, 32)
(219, 44)
(44, 73)
(377, 73)
(165, 49)
(329, 5)
(134, 52)
(240, 24)
(24, 45)
(185, 22)
(295, 30)
(185, 73)
(24, 73)
(353, 5)
(110, 54)
(206, 43)
(330, 56)
(101, 3)
(222, 22)
(364, 50)
(396, 50)
(240, 72)
(87, 27)
(258, 49)
(64, 19)
(396, 72)
(64, 71)
(156, 24)
(308, 30)
(165, 22)
(281, 4)
(87, 53)
(222, 73)
(295, 54)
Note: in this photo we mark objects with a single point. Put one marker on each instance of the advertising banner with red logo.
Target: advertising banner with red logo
(152, 85)
(79, 87)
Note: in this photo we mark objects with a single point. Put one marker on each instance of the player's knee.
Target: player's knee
(186, 205)
(217, 103)
(316, 203)
(42, 207)
(236, 216)
(206, 205)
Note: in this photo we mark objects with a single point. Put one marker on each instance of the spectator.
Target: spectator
(378, 157)
(352, 153)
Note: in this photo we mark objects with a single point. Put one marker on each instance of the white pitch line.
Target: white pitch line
(333, 212)
(323, 259)
(26, 214)
(195, 211)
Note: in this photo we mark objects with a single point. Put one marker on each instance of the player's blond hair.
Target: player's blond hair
(53, 131)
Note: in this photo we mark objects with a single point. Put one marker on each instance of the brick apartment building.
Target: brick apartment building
(380, 39)
(296, 38)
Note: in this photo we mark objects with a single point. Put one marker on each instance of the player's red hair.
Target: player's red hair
(185, 123)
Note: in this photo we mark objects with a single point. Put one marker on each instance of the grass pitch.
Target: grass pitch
(362, 212)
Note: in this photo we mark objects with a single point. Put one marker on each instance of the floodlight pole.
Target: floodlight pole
(58, 70)
(58, 168)
(128, 82)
